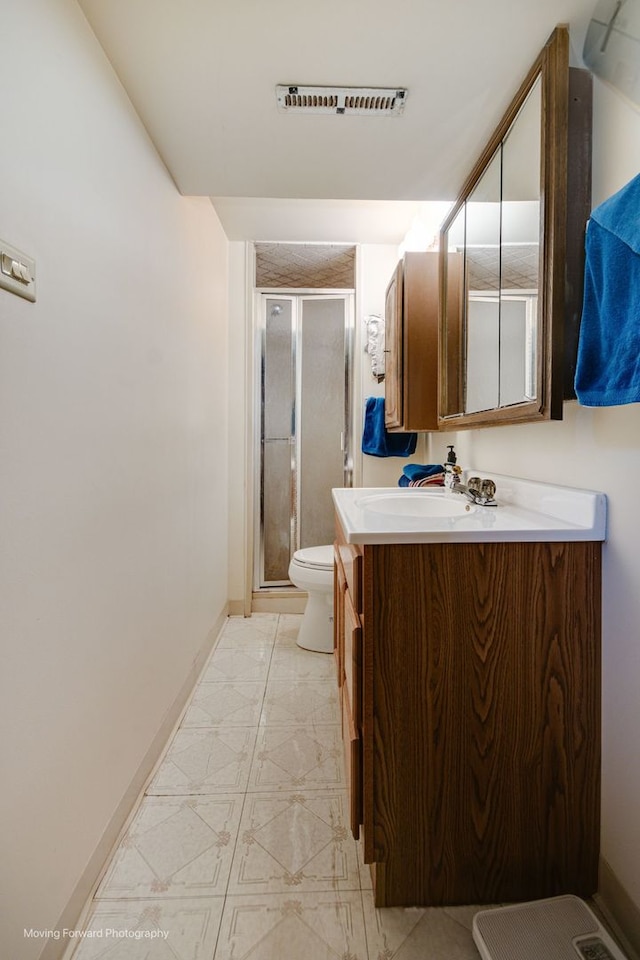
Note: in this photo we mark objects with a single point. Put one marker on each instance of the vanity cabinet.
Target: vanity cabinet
(469, 677)
(348, 659)
(411, 344)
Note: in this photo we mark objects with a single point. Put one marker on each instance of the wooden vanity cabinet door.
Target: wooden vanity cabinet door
(393, 378)
(339, 590)
(352, 663)
(352, 707)
(481, 742)
(348, 654)
(411, 344)
(353, 764)
(420, 323)
(349, 556)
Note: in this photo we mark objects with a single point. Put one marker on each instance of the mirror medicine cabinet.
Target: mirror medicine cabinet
(512, 256)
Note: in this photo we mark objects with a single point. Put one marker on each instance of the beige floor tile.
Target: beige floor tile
(305, 926)
(158, 930)
(293, 758)
(228, 704)
(288, 627)
(175, 847)
(294, 843)
(205, 761)
(243, 662)
(291, 662)
(297, 887)
(418, 933)
(300, 701)
(365, 871)
(258, 628)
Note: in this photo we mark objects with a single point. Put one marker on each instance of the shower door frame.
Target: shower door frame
(296, 295)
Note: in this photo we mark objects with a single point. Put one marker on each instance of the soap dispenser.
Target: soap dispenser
(450, 470)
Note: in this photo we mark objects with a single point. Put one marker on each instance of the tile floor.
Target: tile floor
(240, 848)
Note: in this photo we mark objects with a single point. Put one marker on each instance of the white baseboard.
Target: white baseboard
(236, 608)
(621, 914)
(279, 601)
(79, 903)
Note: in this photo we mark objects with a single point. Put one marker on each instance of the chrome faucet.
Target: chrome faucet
(476, 490)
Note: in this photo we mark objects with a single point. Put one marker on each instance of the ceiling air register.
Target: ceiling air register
(352, 101)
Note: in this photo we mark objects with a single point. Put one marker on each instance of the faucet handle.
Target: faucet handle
(487, 489)
(474, 484)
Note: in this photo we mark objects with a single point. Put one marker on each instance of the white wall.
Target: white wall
(240, 418)
(113, 458)
(599, 449)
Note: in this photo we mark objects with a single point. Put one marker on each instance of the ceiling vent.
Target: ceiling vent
(353, 101)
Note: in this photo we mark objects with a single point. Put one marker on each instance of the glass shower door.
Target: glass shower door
(278, 495)
(320, 416)
(304, 416)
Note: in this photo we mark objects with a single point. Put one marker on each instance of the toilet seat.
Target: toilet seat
(316, 558)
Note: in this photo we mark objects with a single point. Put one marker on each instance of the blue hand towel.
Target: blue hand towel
(435, 480)
(376, 441)
(608, 363)
(418, 471)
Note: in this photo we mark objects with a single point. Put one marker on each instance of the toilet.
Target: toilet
(311, 569)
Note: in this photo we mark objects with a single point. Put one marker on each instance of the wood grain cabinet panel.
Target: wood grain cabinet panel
(353, 764)
(353, 658)
(350, 557)
(393, 368)
(339, 588)
(479, 720)
(411, 344)
(348, 653)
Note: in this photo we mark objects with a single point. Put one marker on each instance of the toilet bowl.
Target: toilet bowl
(311, 569)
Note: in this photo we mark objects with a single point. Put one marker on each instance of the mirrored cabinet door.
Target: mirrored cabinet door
(506, 244)
(482, 275)
(520, 253)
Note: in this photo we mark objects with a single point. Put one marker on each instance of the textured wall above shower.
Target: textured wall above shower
(329, 266)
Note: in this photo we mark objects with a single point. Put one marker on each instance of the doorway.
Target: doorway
(304, 441)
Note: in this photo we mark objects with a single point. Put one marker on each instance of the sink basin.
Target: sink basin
(415, 504)
(528, 510)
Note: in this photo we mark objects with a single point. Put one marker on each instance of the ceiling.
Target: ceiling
(202, 76)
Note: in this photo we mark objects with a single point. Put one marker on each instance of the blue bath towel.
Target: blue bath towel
(608, 363)
(376, 441)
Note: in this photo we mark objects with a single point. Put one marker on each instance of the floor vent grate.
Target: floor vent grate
(354, 101)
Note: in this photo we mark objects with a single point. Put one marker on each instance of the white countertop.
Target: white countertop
(527, 511)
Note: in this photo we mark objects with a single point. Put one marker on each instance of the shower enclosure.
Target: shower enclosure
(305, 359)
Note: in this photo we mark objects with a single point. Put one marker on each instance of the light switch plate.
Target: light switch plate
(17, 272)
